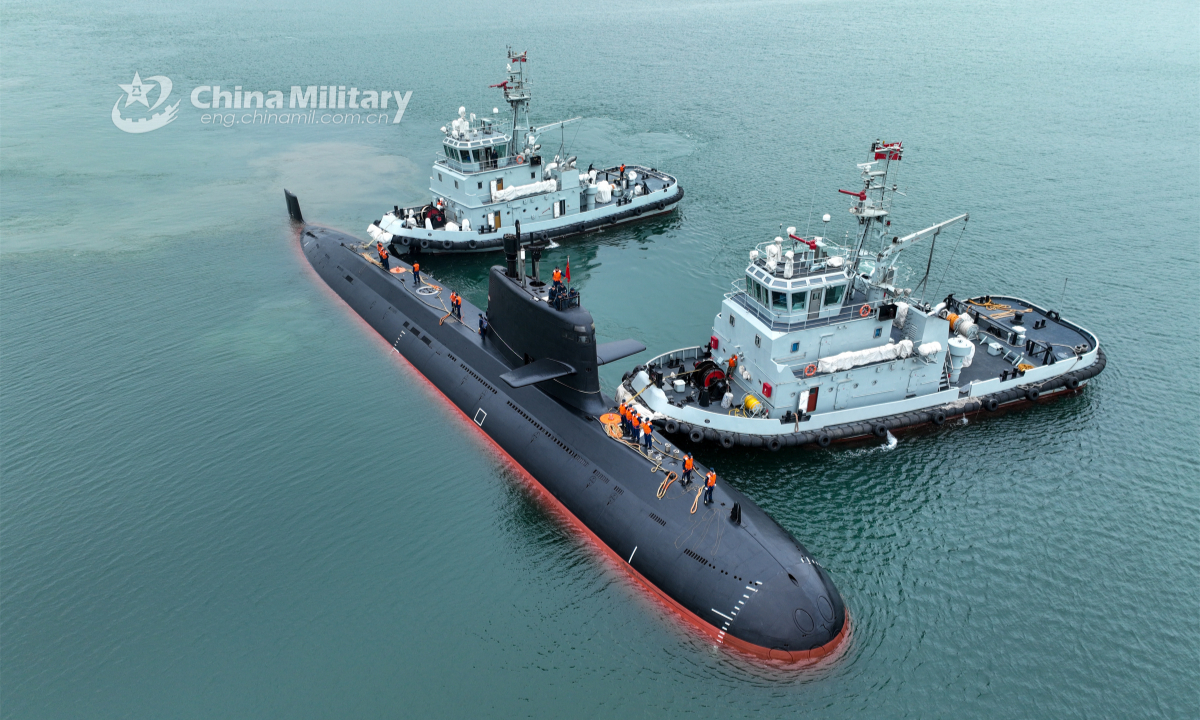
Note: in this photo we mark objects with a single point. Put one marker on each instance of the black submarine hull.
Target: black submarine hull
(746, 583)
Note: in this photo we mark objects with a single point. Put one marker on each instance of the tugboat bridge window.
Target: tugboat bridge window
(779, 301)
(833, 295)
(798, 300)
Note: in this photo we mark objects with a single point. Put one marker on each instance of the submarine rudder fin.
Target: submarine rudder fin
(293, 206)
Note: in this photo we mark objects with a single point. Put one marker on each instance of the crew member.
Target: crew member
(621, 414)
(731, 365)
(647, 435)
(710, 481)
(416, 274)
(458, 306)
(482, 326)
(557, 278)
(635, 425)
(622, 171)
(688, 464)
(383, 255)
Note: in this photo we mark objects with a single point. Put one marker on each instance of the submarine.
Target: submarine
(531, 384)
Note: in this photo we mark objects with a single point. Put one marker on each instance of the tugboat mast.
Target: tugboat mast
(517, 94)
(871, 209)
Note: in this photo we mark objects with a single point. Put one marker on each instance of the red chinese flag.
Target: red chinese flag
(568, 269)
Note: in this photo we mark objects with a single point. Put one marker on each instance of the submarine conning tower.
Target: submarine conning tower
(544, 332)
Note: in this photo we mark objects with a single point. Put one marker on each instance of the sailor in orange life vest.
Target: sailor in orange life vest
(558, 279)
(621, 413)
(731, 365)
(416, 274)
(710, 481)
(688, 464)
(383, 255)
(635, 425)
(647, 431)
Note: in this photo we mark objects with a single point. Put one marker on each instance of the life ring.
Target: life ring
(880, 430)
(824, 440)
(1032, 394)
(939, 417)
(696, 435)
(810, 370)
(726, 440)
(520, 159)
(1073, 383)
(864, 311)
(774, 444)
(671, 427)
(991, 404)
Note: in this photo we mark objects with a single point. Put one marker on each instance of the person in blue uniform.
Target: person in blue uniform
(416, 274)
(710, 482)
(482, 326)
(383, 255)
(647, 435)
(688, 464)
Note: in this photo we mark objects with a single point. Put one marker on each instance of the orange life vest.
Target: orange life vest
(710, 479)
(416, 267)
(732, 361)
(621, 409)
(636, 422)
(557, 275)
(688, 463)
(382, 252)
(647, 427)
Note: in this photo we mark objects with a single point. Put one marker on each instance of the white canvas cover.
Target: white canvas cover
(520, 191)
(854, 358)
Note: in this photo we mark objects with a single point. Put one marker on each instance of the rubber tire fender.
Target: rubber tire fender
(938, 417)
(1032, 394)
(774, 444)
(991, 404)
(696, 435)
(726, 440)
(1072, 383)
(472, 244)
(425, 244)
(404, 241)
(824, 440)
(880, 430)
(671, 427)
(447, 244)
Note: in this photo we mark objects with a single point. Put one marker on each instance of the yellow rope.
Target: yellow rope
(989, 305)
(1024, 367)
(671, 477)
(696, 502)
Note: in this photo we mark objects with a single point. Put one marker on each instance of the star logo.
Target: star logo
(138, 91)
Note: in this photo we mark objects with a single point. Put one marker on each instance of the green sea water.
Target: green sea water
(222, 496)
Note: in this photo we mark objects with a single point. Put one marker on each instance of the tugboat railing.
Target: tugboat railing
(847, 312)
(474, 167)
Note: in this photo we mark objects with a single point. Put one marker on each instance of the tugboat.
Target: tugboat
(486, 178)
(817, 343)
(528, 380)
